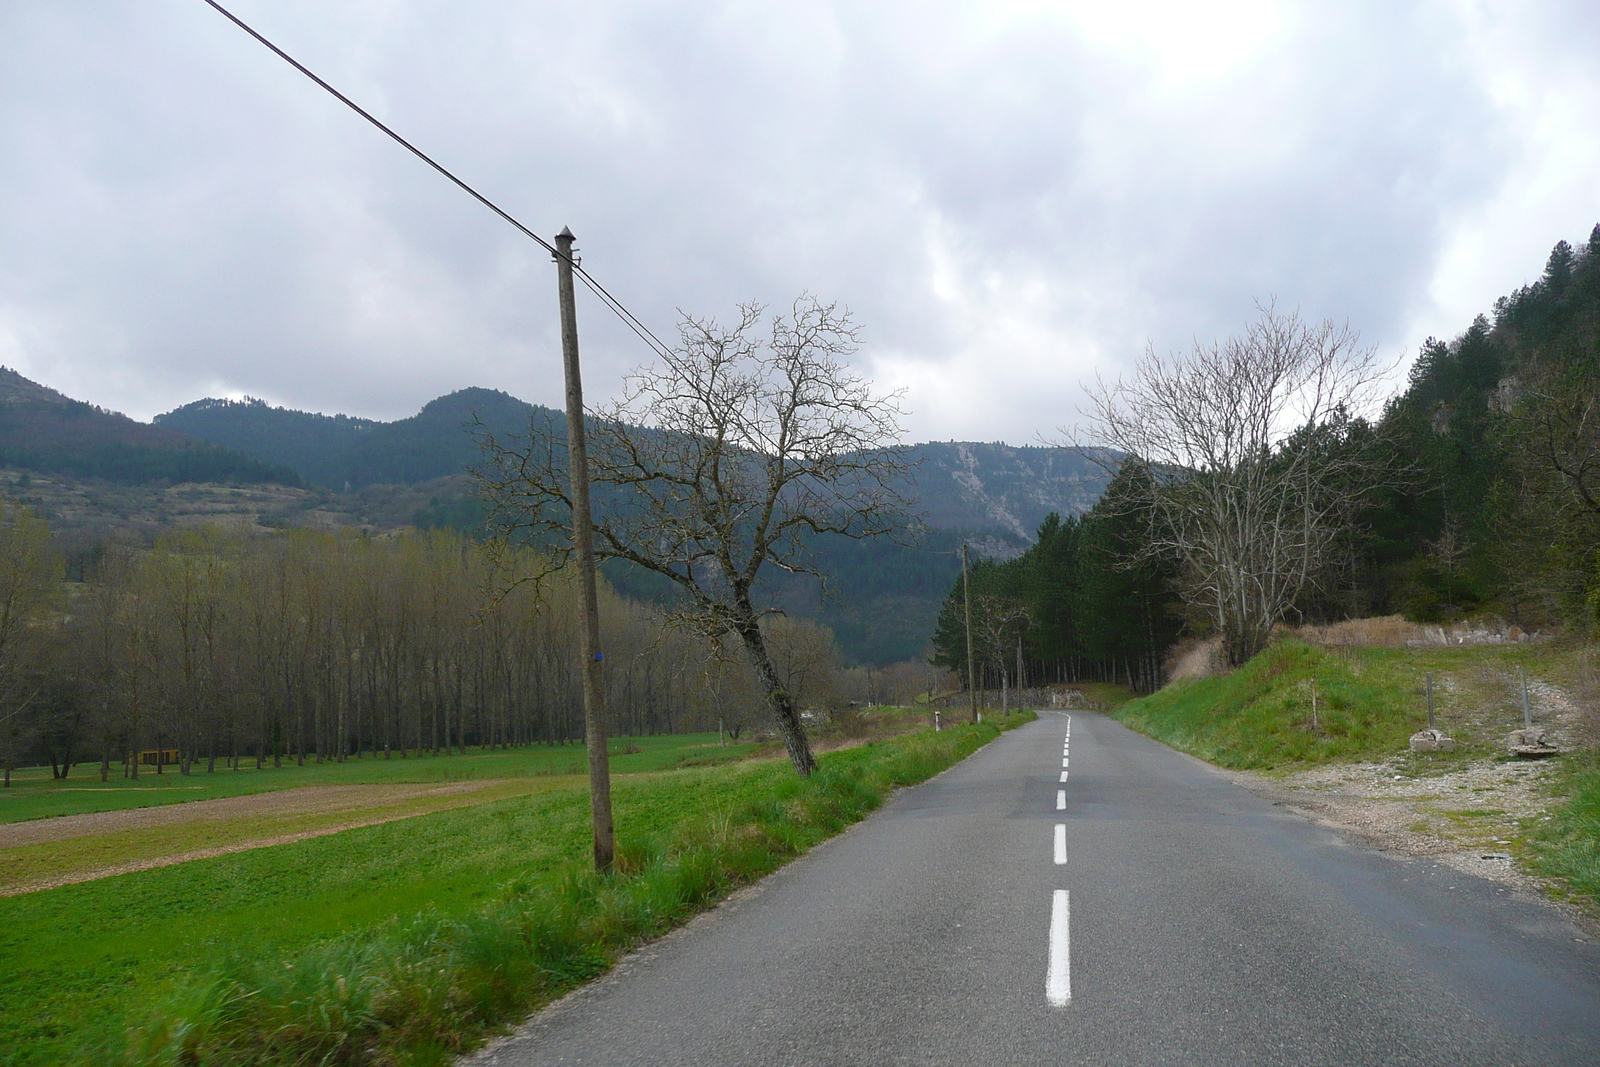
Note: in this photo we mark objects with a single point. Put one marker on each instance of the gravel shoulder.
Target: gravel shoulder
(1469, 818)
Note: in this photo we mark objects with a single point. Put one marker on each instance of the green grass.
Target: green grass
(35, 795)
(41, 863)
(1369, 703)
(1108, 695)
(403, 942)
(1568, 846)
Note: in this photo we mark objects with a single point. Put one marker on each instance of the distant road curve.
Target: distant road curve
(1092, 898)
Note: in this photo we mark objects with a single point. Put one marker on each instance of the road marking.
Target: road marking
(1058, 986)
(1063, 776)
(1061, 843)
(1061, 800)
(1064, 761)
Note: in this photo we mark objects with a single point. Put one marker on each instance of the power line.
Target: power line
(616, 306)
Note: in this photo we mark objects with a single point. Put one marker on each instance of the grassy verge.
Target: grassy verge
(1105, 695)
(1259, 716)
(404, 943)
(1568, 846)
(1369, 702)
(35, 795)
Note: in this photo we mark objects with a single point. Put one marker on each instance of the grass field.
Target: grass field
(34, 795)
(1369, 702)
(104, 851)
(400, 942)
(1568, 847)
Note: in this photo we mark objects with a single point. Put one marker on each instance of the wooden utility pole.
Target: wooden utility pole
(1020, 681)
(966, 599)
(594, 696)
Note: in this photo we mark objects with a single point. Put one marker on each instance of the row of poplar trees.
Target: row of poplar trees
(220, 647)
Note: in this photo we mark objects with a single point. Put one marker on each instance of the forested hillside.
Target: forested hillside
(959, 485)
(1500, 431)
(44, 431)
(342, 452)
(1489, 505)
(884, 596)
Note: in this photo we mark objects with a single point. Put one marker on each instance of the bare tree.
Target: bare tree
(806, 659)
(1556, 421)
(720, 461)
(997, 624)
(1251, 462)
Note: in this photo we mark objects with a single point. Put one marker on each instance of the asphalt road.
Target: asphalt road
(1194, 922)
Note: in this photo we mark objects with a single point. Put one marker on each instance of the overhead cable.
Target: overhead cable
(616, 306)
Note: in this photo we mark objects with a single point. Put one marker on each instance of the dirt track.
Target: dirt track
(185, 857)
(279, 813)
(307, 800)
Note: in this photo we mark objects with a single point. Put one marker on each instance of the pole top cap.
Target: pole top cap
(566, 233)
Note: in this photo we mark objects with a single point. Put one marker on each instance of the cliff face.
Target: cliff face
(1004, 488)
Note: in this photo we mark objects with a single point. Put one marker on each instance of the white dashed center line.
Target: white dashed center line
(1058, 986)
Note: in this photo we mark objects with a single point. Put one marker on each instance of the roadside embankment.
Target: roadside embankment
(1325, 729)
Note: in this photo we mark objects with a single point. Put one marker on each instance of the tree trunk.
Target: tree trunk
(778, 698)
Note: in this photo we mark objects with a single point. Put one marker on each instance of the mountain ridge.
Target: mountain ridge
(44, 430)
(127, 477)
(982, 487)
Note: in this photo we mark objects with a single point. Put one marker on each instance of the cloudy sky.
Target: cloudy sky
(1011, 196)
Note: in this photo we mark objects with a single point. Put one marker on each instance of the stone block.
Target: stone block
(1432, 741)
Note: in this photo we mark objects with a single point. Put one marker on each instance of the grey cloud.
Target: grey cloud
(181, 214)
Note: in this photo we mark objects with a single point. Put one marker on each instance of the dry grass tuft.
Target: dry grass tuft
(1193, 658)
(1386, 631)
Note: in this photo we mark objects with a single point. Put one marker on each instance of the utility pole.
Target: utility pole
(966, 598)
(594, 697)
(1527, 710)
(1020, 681)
